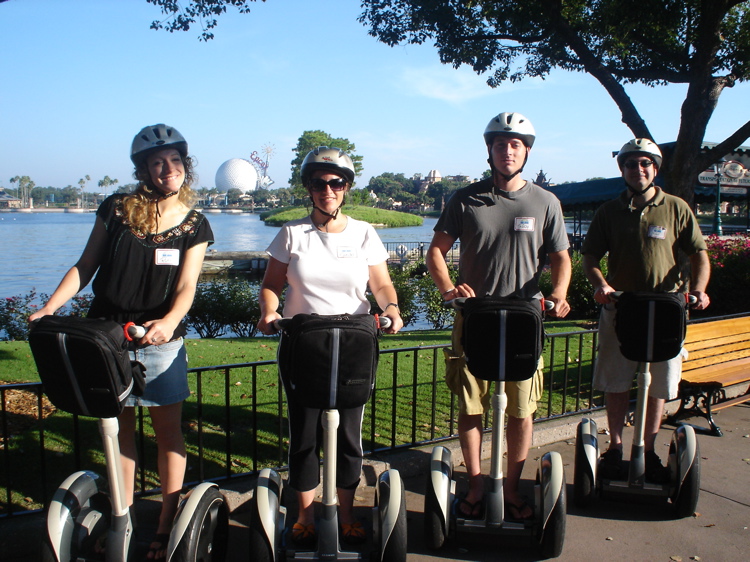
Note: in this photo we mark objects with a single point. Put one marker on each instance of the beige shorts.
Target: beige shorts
(615, 373)
(474, 394)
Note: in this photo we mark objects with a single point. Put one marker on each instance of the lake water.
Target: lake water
(38, 248)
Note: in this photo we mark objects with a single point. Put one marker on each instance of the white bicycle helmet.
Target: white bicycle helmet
(156, 137)
(330, 159)
(643, 147)
(512, 125)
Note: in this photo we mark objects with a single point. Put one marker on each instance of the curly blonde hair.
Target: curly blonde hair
(140, 205)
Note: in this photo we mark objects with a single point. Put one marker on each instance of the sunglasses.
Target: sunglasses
(633, 164)
(319, 184)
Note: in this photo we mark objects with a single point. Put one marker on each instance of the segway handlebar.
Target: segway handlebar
(692, 300)
(383, 322)
(458, 303)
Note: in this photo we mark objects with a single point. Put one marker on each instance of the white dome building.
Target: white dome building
(236, 173)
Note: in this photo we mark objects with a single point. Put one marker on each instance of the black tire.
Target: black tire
(205, 539)
(395, 547)
(553, 533)
(583, 479)
(260, 546)
(686, 501)
(47, 554)
(434, 526)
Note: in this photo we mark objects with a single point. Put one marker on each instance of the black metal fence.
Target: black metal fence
(234, 421)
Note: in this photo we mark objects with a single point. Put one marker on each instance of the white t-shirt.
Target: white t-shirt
(327, 272)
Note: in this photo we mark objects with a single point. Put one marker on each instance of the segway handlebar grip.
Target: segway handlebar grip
(384, 322)
(133, 331)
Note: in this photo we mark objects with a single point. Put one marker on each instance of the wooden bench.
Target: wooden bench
(718, 357)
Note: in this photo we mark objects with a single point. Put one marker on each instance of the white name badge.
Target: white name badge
(658, 232)
(524, 224)
(167, 256)
(346, 252)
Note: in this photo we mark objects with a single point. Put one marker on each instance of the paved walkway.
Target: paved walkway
(607, 530)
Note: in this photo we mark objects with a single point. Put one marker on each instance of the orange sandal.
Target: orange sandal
(353, 533)
(304, 535)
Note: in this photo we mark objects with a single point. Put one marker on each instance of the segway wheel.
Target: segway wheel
(583, 478)
(205, 539)
(47, 554)
(686, 500)
(260, 546)
(553, 532)
(395, 546)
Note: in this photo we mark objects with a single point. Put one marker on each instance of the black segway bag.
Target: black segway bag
(329, 362)
(84, 364)
(651, 326)
(502, 338)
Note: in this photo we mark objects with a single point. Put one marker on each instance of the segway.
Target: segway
(505, 329)
(88, 518)
(268, 529)
(659, 338)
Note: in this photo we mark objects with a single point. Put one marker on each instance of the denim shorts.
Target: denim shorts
(166, 374)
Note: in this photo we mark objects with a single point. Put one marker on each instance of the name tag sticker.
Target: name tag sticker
(524, 224)
(347, 252)
(658, 232)
(167, 256)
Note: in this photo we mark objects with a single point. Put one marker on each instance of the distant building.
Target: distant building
(8, 201)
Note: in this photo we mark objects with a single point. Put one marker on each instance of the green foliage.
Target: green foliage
(433, 303)
(222, 305)
(730, 276)
(406, 294)
(580, 291)
(15, 312)
(379, 217)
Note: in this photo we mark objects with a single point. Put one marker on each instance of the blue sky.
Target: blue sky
(82, 77)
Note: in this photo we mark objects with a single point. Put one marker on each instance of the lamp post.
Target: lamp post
(717, 208)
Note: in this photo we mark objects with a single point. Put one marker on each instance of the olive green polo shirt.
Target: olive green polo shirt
(643, 244)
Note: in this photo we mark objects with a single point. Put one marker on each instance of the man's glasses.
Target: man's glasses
(633, 164)
(319, 184)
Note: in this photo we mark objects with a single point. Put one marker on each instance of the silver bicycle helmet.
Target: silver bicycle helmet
(329, 159)
(156, 137)
(643, 147)
(512, 125)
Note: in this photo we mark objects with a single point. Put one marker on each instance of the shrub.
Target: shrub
(15, 312)
(580, 291)
(730, 275)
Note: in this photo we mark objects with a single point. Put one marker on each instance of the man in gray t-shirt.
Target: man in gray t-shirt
(507, 227)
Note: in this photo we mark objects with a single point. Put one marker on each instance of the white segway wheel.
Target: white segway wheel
(391, 516)
(551, 478)
(437, 499)
(687, 475)
(267, 517)
(584, 485)
(206, 534)
(260, 544)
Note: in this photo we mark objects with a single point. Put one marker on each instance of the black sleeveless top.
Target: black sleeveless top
(137, 278)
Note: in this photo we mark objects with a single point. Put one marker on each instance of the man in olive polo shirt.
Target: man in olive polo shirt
(642, 230)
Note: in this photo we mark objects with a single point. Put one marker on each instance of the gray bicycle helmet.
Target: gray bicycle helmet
(156, 137)
(642, 147)
(512, 125)
(329, 159)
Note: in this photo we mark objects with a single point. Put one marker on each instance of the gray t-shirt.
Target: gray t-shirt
(505, 236)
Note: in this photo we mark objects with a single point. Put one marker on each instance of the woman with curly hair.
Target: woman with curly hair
(147, 250)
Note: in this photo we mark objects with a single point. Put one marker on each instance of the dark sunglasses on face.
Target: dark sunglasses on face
(319, 184)
(633, 164)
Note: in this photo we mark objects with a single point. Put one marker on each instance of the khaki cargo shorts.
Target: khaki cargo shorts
(474, 394)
